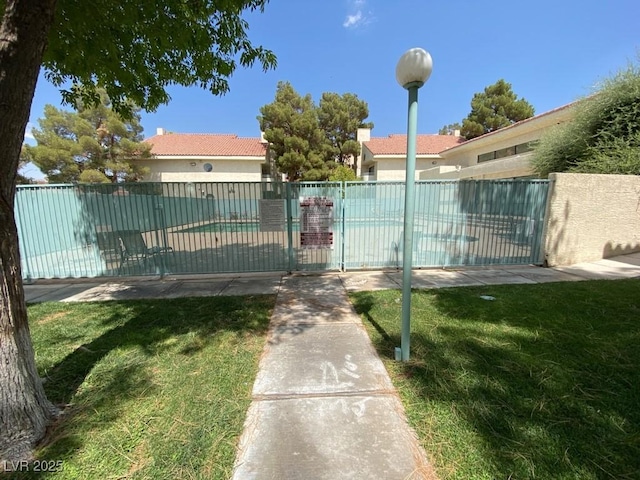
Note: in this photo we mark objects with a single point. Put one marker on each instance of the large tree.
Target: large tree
(94, 144)
(134, 50)
(290, 125)
(308, 141)
(603, 135)
(494, 108)
(340, 117)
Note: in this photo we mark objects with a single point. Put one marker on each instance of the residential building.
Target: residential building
(505, 153)
(206, 157)
(385, 158)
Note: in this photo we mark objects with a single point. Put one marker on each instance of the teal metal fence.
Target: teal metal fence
(191, 228)
(456, 223)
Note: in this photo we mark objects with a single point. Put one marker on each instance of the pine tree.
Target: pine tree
(340, 116)
(290, 125)
(308, 141)
(495, 108)
(93, 144)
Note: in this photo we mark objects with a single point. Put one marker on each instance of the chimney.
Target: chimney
(262, 139)
(456, 133)
(160, 131)
(363, 135)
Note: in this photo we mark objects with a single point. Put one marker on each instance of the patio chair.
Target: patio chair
(135, 250)
(110, 247)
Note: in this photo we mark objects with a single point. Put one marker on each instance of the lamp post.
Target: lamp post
(412, 71)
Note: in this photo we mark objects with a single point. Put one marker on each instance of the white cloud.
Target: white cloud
(353, 20)
(357, 15)
(27, 133)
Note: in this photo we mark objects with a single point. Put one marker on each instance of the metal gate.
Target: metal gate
(456, 223)
(197, 228)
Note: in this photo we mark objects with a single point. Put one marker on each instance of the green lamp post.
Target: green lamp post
(412, 71)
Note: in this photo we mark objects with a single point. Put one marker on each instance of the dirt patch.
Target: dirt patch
(52, 317)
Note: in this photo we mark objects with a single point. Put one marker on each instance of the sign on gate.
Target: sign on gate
(272, 218)
(316, 223)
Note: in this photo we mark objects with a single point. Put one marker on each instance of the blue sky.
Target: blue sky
(552, 53)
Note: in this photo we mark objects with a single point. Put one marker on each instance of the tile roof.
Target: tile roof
(206, 144)
(396, 144)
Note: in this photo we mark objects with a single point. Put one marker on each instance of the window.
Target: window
(526, 147)
(486, 157)
(207, 167)
(509, 151)
(505, 152)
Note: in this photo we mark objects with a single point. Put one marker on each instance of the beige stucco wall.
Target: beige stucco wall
(590, 217)
(514, 166)
(394, 168)
(224, 170)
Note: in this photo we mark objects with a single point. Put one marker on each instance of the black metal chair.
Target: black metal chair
(110, 248)
(135, 250)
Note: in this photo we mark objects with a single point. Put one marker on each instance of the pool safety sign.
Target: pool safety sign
(316, 223)
(272, 217)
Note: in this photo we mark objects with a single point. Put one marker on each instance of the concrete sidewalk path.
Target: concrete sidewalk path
(87, 290)
(323, 405)
(84, 290)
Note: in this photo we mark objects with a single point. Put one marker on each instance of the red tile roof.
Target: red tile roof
(206, 144)
(396, 144)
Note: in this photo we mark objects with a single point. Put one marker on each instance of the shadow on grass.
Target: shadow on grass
(97, 377)
(544, 380)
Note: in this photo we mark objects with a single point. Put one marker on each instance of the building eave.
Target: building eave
(208, 157)
(544, 120)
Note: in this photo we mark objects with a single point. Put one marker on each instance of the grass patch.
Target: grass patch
(543, 382)
(152, 388)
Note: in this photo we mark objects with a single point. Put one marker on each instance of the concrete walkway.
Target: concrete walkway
(84, 290)
(323, 405)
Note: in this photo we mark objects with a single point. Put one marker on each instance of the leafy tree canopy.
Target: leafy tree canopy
(93, 144)
(497, 107)
(134, 52)
(308, 141)
(603, 135)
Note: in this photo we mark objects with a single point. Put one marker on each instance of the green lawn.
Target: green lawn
(543, 382)
(153, 389)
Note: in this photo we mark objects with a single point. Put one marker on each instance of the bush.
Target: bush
(342, 173)
(604, 135)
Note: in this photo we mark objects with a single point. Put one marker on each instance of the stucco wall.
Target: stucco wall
(394, 168)
(590, 217)
(514, 166)
(182, 170)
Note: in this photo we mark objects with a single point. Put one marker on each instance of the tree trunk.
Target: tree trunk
(25, 411)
